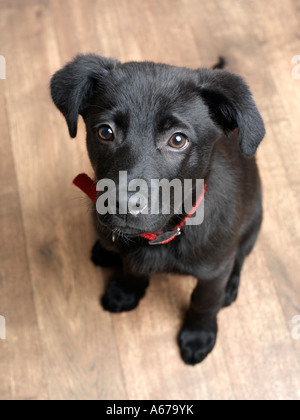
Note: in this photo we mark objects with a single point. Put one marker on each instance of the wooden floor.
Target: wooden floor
(60, 344)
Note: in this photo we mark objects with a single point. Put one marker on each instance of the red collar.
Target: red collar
(87, 185)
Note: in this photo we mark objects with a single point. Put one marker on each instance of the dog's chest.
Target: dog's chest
(159, 259)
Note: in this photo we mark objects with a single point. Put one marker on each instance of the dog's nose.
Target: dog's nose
(133, 205)
(137, 210)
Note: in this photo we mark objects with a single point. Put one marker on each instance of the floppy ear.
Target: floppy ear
(232, 106)
(73, 86)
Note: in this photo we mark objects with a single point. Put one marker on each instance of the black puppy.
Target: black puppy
(161, 122)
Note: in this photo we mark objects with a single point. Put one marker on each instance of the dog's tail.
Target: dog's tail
(221, 64)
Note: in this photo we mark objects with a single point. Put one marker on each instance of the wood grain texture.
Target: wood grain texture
(60, 343)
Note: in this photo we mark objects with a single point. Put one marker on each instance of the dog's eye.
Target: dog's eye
(106, 133)
(179, 141)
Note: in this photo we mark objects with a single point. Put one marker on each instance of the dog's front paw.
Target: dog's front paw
(196, 344)
(102, 258)
(121, 296)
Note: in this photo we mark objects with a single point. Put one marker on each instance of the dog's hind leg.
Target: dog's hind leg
(102, 258)
(247, 243)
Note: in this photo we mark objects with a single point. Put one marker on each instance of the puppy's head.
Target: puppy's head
(153, 121)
